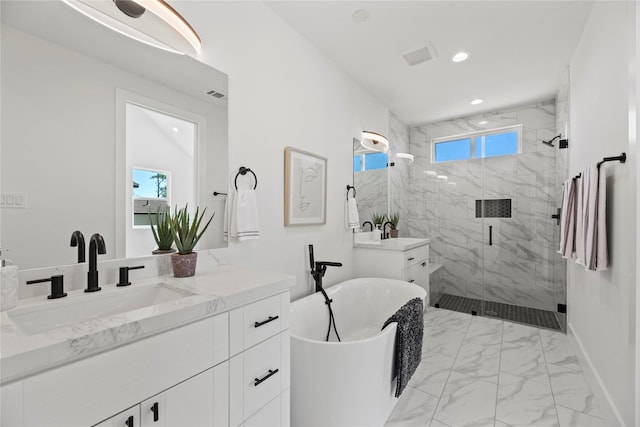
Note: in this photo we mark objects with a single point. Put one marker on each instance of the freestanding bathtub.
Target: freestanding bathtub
(347, 383)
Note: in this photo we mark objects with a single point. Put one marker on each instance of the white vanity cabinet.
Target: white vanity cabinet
(199, 374)
(185, 404)
(395, 259)
(259, 364)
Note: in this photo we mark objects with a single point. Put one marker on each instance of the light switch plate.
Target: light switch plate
(13, 200)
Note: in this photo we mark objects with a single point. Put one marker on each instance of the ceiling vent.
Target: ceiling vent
(421, 55)
(215, 94)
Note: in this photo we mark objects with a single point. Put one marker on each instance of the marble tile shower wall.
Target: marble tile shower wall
(518, 267)
(399, 174)
(371, 192)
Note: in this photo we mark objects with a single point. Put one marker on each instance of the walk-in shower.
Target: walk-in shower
(490, 222)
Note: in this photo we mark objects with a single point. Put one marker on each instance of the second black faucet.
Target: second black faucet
(96, 246)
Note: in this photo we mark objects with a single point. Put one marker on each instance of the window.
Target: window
(476, 145)
(369, 161)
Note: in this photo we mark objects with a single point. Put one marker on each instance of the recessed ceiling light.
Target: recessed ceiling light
(483, 122)
(360, 16)
(175, 129)
(460, 56)
(477, 101)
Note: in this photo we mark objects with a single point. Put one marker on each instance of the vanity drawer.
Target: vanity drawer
(415, 256)
(256, 377)
(254, 323)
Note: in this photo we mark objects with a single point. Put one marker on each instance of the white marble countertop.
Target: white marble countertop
(214, 291)
(398, 244)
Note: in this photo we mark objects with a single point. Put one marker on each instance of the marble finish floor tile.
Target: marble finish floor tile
(432, 373)
(467, 401)
(524, 361)
(443, 341)
(570, 389)
(478, 371)
(557, 350)
(484, 332)
(482, 362)
(414, 408)
(525, 402)
(570, 418)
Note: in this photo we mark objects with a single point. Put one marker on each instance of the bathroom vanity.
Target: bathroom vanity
(402, 258)
(216, 355)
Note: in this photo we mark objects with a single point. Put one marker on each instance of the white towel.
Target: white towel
(568, 219)
(8, 287)
(245, 224)
(226, 219)
(352, 218)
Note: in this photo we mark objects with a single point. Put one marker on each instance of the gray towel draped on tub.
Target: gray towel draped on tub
(408, 349)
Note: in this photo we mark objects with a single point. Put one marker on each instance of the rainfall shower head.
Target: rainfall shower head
(550, 142)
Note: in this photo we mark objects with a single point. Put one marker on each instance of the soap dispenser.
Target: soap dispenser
(8, 284)
(377, 233)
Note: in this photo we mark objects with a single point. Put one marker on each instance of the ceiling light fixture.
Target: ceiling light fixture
(460, 56)
(374, 141)
(175, 129)
(442, 177)
(162, 28)
(405, 156)
(483, 122)
(477, 101)
(431, 173)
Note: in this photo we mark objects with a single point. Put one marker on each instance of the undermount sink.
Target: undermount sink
(81, 307)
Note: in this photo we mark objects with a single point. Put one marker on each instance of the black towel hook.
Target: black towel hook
(349, 187)
(243, 171)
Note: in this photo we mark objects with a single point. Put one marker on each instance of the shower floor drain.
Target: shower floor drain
(531, 316)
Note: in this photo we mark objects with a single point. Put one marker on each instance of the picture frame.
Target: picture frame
(305, 188)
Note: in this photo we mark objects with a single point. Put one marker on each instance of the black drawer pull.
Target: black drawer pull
(410, 259)
(154, 409)
(271, 373)
(129, 422)
(264, 322)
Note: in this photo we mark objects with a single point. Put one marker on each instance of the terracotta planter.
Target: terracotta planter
(163, 251)
(393, 233)
(184, 265)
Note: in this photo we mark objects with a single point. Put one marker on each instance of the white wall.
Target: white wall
(283, 92)
(602, 305)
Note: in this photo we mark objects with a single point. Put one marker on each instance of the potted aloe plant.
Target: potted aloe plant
(186, 234)
(393, 219)
(378, 219)
(162, 232)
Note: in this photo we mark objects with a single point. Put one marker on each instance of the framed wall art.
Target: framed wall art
(305, 188)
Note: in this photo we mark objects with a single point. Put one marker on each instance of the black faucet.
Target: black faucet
(318, 268)
(367, 222)
(77, 239)
(96, 246)
(385, 235)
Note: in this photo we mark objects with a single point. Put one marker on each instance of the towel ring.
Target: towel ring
(243, 171)
(350, 187)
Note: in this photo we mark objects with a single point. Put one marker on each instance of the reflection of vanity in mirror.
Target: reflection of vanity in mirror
(370, 178)
(70, 145)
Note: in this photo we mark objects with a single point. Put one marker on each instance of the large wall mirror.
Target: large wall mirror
(69, 147)
(371, 180)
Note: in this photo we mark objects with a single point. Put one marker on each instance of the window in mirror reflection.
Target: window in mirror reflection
(369, 161)
(150, 195)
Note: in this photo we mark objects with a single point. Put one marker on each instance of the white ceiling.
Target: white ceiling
(520, 50)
